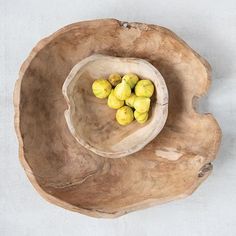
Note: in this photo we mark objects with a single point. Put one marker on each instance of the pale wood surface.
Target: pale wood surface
(93, 123)
(170, 167)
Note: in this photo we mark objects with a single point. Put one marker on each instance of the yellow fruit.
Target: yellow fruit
(122, 90)
(124, 115)
(113, 101)
(114, 79)
(131, 79)
(141, 117)
(144, 88)
(142, 104)
(130, 100)
(101, 88)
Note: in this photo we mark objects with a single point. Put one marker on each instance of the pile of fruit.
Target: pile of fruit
(129, 94)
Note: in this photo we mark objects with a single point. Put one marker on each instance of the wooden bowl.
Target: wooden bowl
(65, 173)
(93, 123)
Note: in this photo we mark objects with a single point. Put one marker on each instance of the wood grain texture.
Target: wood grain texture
(65, 173)
(93, 123)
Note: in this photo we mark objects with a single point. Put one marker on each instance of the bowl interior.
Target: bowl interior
(93, 123)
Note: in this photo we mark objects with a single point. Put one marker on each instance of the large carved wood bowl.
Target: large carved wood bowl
(64, 172)
(93, 123)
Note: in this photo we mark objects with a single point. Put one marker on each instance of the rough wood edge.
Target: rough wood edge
(16, 101)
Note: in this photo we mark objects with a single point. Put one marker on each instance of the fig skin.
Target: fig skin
(141, 117)
(144, 88)
(113, 102)
(131, 79)
(122, 90)
(124, 115)
(114, 79)
(130, 100)
(101, 88)
(142, 104)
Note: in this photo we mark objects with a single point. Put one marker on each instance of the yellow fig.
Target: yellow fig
(131, 79)
(114, 79)
(142, 104)
(130, 100)
(122, 90)
(141, 117)
(101, 88)
(144, 88)
(124, 115)
(113, 101)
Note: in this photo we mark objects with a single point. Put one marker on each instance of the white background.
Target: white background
(207, 26)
